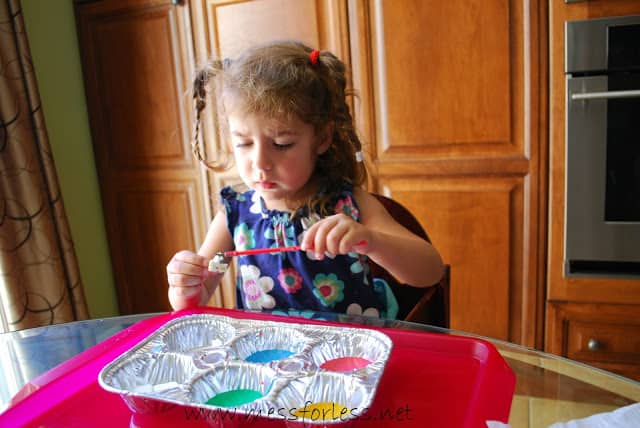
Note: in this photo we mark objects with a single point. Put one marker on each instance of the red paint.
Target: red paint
(345, 364)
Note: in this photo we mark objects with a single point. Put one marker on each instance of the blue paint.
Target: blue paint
(268, 355)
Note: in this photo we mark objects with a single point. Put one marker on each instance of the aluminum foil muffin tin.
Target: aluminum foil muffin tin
(293, 372)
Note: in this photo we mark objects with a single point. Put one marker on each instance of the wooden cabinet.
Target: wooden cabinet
(579, 307)
(137, 60)
(451, 107)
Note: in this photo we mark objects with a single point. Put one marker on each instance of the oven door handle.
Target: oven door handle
(605, 95)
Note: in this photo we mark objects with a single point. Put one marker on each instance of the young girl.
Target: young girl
(296, 150)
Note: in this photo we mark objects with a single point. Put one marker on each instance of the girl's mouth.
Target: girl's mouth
(265, 185)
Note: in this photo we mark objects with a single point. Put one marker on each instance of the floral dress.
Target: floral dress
(296, 280)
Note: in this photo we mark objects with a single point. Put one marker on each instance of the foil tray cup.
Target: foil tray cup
(323, 399)
(146, 377)
(197, 332)
(362, 353)
(231, 385)
(319, 400)
(295, 374)
(268, 344)
(295, 366)
(205, 358)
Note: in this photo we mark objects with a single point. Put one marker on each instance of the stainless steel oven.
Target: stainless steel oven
(602, 217)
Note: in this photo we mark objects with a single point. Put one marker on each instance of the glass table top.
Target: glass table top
(548, 388)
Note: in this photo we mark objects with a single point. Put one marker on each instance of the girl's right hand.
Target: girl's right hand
(186, 274)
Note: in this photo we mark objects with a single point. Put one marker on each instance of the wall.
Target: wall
(52, 37)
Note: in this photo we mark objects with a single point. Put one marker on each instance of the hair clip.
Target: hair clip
(359, 156)
(313, 56)
(226, 63)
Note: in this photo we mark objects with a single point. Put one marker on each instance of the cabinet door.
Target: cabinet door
(137, 61)
(223, 29)
(450, 106)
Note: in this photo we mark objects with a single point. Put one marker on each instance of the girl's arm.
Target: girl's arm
(406, 256)
(190, 281)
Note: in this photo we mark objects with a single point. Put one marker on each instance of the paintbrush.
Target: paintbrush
(257, 251)
(217, 265)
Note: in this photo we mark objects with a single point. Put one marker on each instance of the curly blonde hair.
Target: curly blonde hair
(279, 78)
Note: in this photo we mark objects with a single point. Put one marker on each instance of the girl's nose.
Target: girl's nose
(261, 159)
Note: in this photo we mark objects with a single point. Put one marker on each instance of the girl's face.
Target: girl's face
(275, 157)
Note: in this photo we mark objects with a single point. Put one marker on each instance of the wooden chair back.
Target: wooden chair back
(428, 305)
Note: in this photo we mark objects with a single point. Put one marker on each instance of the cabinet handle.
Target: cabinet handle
(605, 95)
(594, 345)
(176, 2)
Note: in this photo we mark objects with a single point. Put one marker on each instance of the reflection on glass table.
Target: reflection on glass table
(548, 388)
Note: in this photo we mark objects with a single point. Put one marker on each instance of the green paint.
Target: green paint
(234, 398)
(51, 30)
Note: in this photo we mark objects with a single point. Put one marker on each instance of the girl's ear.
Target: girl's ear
(325, 138)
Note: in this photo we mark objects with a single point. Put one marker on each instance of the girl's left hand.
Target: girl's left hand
(336, 234)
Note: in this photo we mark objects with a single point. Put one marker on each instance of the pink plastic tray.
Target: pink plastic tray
(430, 379)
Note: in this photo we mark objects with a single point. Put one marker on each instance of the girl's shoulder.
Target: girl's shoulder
(362, 197)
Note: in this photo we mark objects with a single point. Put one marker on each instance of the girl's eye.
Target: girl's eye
(281, 145)
(241, 144)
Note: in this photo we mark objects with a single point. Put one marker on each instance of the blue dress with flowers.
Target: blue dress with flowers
(296, 280)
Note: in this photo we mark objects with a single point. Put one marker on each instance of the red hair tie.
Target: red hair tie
(313, 56)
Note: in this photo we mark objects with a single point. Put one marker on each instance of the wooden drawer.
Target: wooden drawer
(604, 342)
(605, 336)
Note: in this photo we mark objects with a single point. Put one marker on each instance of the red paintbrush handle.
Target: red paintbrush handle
(261, 251)
(268, 250)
